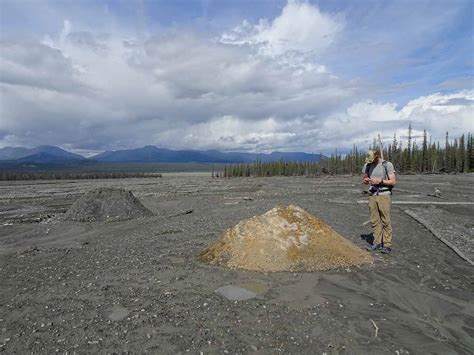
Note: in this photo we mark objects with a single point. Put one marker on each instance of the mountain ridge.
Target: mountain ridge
(48, 152)
(149, 153)
(163, 155)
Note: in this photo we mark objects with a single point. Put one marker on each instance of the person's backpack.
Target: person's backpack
(386, 177)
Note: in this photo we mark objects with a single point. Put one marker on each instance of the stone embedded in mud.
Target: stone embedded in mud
(284, 239)
(106, 204)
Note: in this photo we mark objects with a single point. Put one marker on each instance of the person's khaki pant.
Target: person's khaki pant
(379, 208)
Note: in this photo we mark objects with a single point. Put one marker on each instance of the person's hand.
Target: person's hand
(366, 180)
(376, 181)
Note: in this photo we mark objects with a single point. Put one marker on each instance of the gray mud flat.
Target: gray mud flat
(448, 225)
(137, 285)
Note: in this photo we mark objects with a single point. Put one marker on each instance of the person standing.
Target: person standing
(379, 174)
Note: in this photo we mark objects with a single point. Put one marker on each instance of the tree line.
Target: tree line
(427, 157)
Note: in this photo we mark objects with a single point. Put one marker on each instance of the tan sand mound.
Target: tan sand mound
(106, 204)
(284, 239)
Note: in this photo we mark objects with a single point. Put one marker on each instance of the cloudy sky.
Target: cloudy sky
(234, 75)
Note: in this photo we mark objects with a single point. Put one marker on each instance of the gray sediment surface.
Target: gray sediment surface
(138, 286)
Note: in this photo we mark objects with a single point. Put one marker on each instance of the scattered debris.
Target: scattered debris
(181, 213)
(376, 328)
(237, 200)
(245, 198)
(437, 193)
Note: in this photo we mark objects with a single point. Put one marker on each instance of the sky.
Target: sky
(257, 76)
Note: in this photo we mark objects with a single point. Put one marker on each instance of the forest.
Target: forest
(453, 156)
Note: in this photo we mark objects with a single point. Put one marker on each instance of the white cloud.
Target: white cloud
(65, 31)
(137, 88)
(371, 112)
(261, 87)
(453, 113)
(437, 113)
(231, 133)
(37, 65)
(301, 27)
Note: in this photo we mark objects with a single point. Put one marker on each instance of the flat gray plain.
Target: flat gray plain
(137, 285)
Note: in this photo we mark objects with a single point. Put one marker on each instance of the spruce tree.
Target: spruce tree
(424, 153)
(446, 153)
(408, 155)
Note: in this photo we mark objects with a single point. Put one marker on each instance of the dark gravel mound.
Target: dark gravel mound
(106, 204)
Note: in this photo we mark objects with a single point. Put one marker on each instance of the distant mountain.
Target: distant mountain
(45, 158)
(55, 155)
(13, 153)
(48, 153)
(162, 155)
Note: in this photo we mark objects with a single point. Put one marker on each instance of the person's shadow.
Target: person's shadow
(369, 238)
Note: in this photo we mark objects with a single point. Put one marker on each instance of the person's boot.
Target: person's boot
(386, 250)
(374, 247)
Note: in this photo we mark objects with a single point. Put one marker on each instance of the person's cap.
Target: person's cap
(370, 157)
